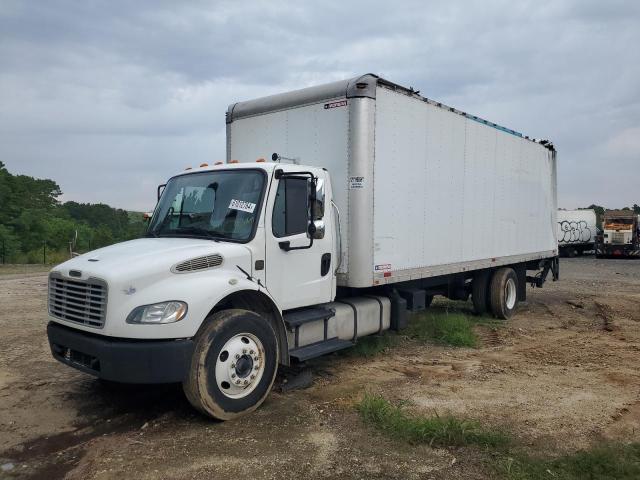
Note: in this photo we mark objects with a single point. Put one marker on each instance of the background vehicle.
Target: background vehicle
(576, 231)
(376, 199)
(620, 234)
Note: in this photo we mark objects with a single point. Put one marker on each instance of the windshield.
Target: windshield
(220, 205)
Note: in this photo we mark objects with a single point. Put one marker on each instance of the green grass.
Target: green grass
(449, 328)
(603, 462)
(372, 345)
(608, 461)
(435, 431)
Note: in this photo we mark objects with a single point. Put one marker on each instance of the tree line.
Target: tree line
(36, 226)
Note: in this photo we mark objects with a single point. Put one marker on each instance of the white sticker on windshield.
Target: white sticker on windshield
(242, 205)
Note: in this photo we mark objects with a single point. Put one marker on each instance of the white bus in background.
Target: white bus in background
(576, 231)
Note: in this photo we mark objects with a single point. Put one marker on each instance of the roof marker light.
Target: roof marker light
(234, 161)
(204, 165)
(188, 168)
(260, 160)
(218, 163)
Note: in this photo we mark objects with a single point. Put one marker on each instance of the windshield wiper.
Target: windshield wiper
(198, 231)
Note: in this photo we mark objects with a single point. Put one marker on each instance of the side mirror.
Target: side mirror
(317, 208)
(160, 190)
(316, 229)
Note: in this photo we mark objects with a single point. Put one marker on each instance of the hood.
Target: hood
(148, 257)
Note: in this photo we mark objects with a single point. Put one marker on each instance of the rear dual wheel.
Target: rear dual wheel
(233, 365)
(503, 295)
(497, 293)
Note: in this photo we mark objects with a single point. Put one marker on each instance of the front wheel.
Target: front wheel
(233, 366)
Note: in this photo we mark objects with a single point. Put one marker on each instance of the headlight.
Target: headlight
(164, 312)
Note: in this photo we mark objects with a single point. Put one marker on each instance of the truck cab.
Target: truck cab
(240, 241)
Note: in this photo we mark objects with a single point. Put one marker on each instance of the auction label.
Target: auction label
(242, 206)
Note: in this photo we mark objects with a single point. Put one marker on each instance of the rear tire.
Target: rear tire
(504, 293)
(233, 366)
(480, 293)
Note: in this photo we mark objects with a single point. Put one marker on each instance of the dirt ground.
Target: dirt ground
(561, 375)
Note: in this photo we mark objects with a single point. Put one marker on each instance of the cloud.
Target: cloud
(624, 145)
(111, 98)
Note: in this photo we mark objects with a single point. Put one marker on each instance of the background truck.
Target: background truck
(375, 197)
(576, 231)
(620, 234)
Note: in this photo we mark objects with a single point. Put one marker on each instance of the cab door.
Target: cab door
(299, 268)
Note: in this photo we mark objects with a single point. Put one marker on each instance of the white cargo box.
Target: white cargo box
(423, 189)
(576, 227)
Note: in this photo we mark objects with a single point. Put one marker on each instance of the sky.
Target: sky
(110, 98)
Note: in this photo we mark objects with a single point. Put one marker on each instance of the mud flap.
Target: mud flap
(521, 274)
(399, 320)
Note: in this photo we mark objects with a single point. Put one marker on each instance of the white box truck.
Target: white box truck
(577, 230)
(373, 194)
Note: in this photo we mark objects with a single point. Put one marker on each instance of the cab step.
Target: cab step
(319, 348)
(299, 317)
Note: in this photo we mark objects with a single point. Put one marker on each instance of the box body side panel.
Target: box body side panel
(453, 191)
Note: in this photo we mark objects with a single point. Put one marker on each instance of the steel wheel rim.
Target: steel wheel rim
(240, 365)
(510, 293)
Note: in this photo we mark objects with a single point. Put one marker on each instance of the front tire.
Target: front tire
(234, 364)
(504, 293)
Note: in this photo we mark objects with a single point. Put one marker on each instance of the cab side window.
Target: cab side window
(291, 209)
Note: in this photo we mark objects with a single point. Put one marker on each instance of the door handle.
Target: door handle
(325, 264)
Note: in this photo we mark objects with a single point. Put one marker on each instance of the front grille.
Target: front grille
(78, 301)
(618, 237)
